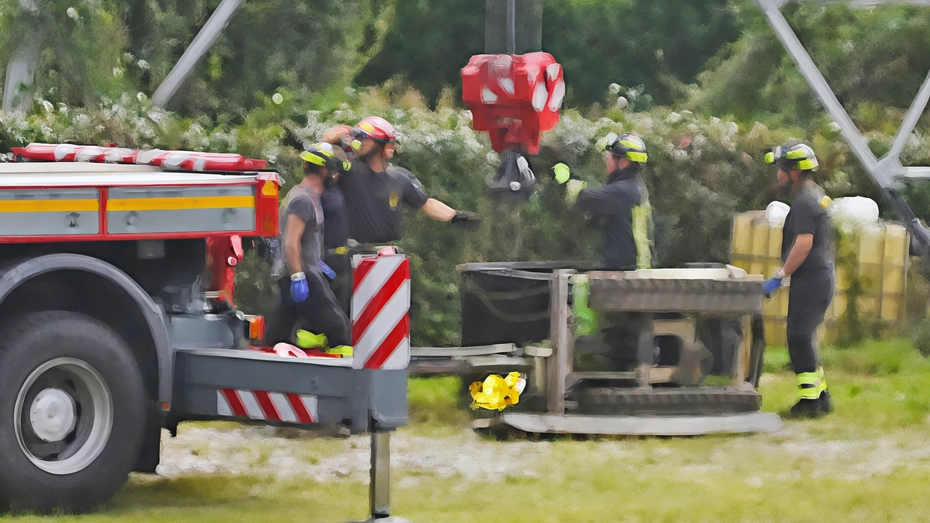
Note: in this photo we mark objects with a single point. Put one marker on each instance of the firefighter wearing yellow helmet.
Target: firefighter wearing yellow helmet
(808, 260)
(304, 290)
(623, 203)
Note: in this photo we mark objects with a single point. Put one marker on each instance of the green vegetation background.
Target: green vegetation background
(709, 88)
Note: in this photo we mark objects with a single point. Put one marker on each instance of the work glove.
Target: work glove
(572, 188)
(299, 289)
(465, 216)
(772, 284)
(562, 172)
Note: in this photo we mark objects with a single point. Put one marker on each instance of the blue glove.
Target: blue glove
(331, 274)
(299, 289)
(772, 284)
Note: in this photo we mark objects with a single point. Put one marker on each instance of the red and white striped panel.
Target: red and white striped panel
(380, 307)
(65, 152)
(270, 406)
(170, 160)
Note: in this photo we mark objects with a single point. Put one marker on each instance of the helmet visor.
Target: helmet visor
(776, 156)
(611, 141)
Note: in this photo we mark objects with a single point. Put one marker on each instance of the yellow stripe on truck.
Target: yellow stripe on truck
(180, 203)
(49, 205)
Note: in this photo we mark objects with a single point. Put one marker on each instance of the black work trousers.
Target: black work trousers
(809, 295)
(342, 284)
(320, 311)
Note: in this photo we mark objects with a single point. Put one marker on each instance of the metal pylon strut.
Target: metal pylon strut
(887, 172)
(199, 47)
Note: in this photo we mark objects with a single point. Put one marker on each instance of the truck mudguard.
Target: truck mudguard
(19, 271)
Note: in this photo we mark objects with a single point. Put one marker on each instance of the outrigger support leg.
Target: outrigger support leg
(379, 486)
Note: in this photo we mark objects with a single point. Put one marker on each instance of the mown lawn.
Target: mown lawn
(870, 461)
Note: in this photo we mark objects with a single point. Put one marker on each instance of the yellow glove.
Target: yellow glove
(572, 188)
(562, 173)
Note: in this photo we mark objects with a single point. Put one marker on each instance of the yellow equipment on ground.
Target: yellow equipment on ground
(496, 393)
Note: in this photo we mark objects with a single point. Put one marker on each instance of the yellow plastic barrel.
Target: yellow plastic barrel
(878, 268)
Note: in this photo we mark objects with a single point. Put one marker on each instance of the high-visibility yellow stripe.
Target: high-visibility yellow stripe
(88, 205)
(180, 203)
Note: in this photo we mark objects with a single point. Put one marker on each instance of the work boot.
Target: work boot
(310, 340)
(826, 402)
(810, 388)
(807, 408)
(346, 351)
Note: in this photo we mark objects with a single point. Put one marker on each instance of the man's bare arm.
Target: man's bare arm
(295, 229)
(334, 135)
(437, 210)
(799, 251)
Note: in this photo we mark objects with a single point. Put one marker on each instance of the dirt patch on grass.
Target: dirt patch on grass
(263, 451)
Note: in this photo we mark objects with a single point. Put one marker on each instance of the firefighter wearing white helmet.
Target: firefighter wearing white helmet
(807, 259)
(374, 189)
(623, 203)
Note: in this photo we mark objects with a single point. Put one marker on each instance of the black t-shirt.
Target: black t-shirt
(615, 202)
(807, 216)
(373, 201)
(336, 232)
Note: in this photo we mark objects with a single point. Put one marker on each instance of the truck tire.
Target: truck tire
(72, 412)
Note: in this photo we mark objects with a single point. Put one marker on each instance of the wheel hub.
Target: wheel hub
(52, 414)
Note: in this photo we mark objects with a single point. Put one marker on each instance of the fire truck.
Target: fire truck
(117, 320)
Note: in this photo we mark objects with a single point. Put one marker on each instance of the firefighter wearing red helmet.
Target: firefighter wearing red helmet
(374, 189)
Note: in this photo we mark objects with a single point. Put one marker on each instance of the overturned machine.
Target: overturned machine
(660, 352)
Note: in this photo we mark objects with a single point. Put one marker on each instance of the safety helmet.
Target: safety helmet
(324, 155)
(797, 157)
(376, 128)
(627, 145)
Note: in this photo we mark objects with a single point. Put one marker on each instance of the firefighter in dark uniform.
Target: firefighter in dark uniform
(374, 189)
(623, 204)
(807, 259)
(336, 243)
(623, 207)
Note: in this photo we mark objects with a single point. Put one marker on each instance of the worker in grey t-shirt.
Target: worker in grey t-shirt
(306, 292)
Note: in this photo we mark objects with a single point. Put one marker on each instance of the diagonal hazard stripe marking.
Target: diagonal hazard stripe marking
(383, 269)
(268, 407)
(234, 402)
(300, 409)
(393, 312)
(284, 408)
(388, 346)
(377, 303)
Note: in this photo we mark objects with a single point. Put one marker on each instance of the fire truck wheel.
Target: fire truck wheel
(72, 412)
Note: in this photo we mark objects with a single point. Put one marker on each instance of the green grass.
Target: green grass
(867, 462)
